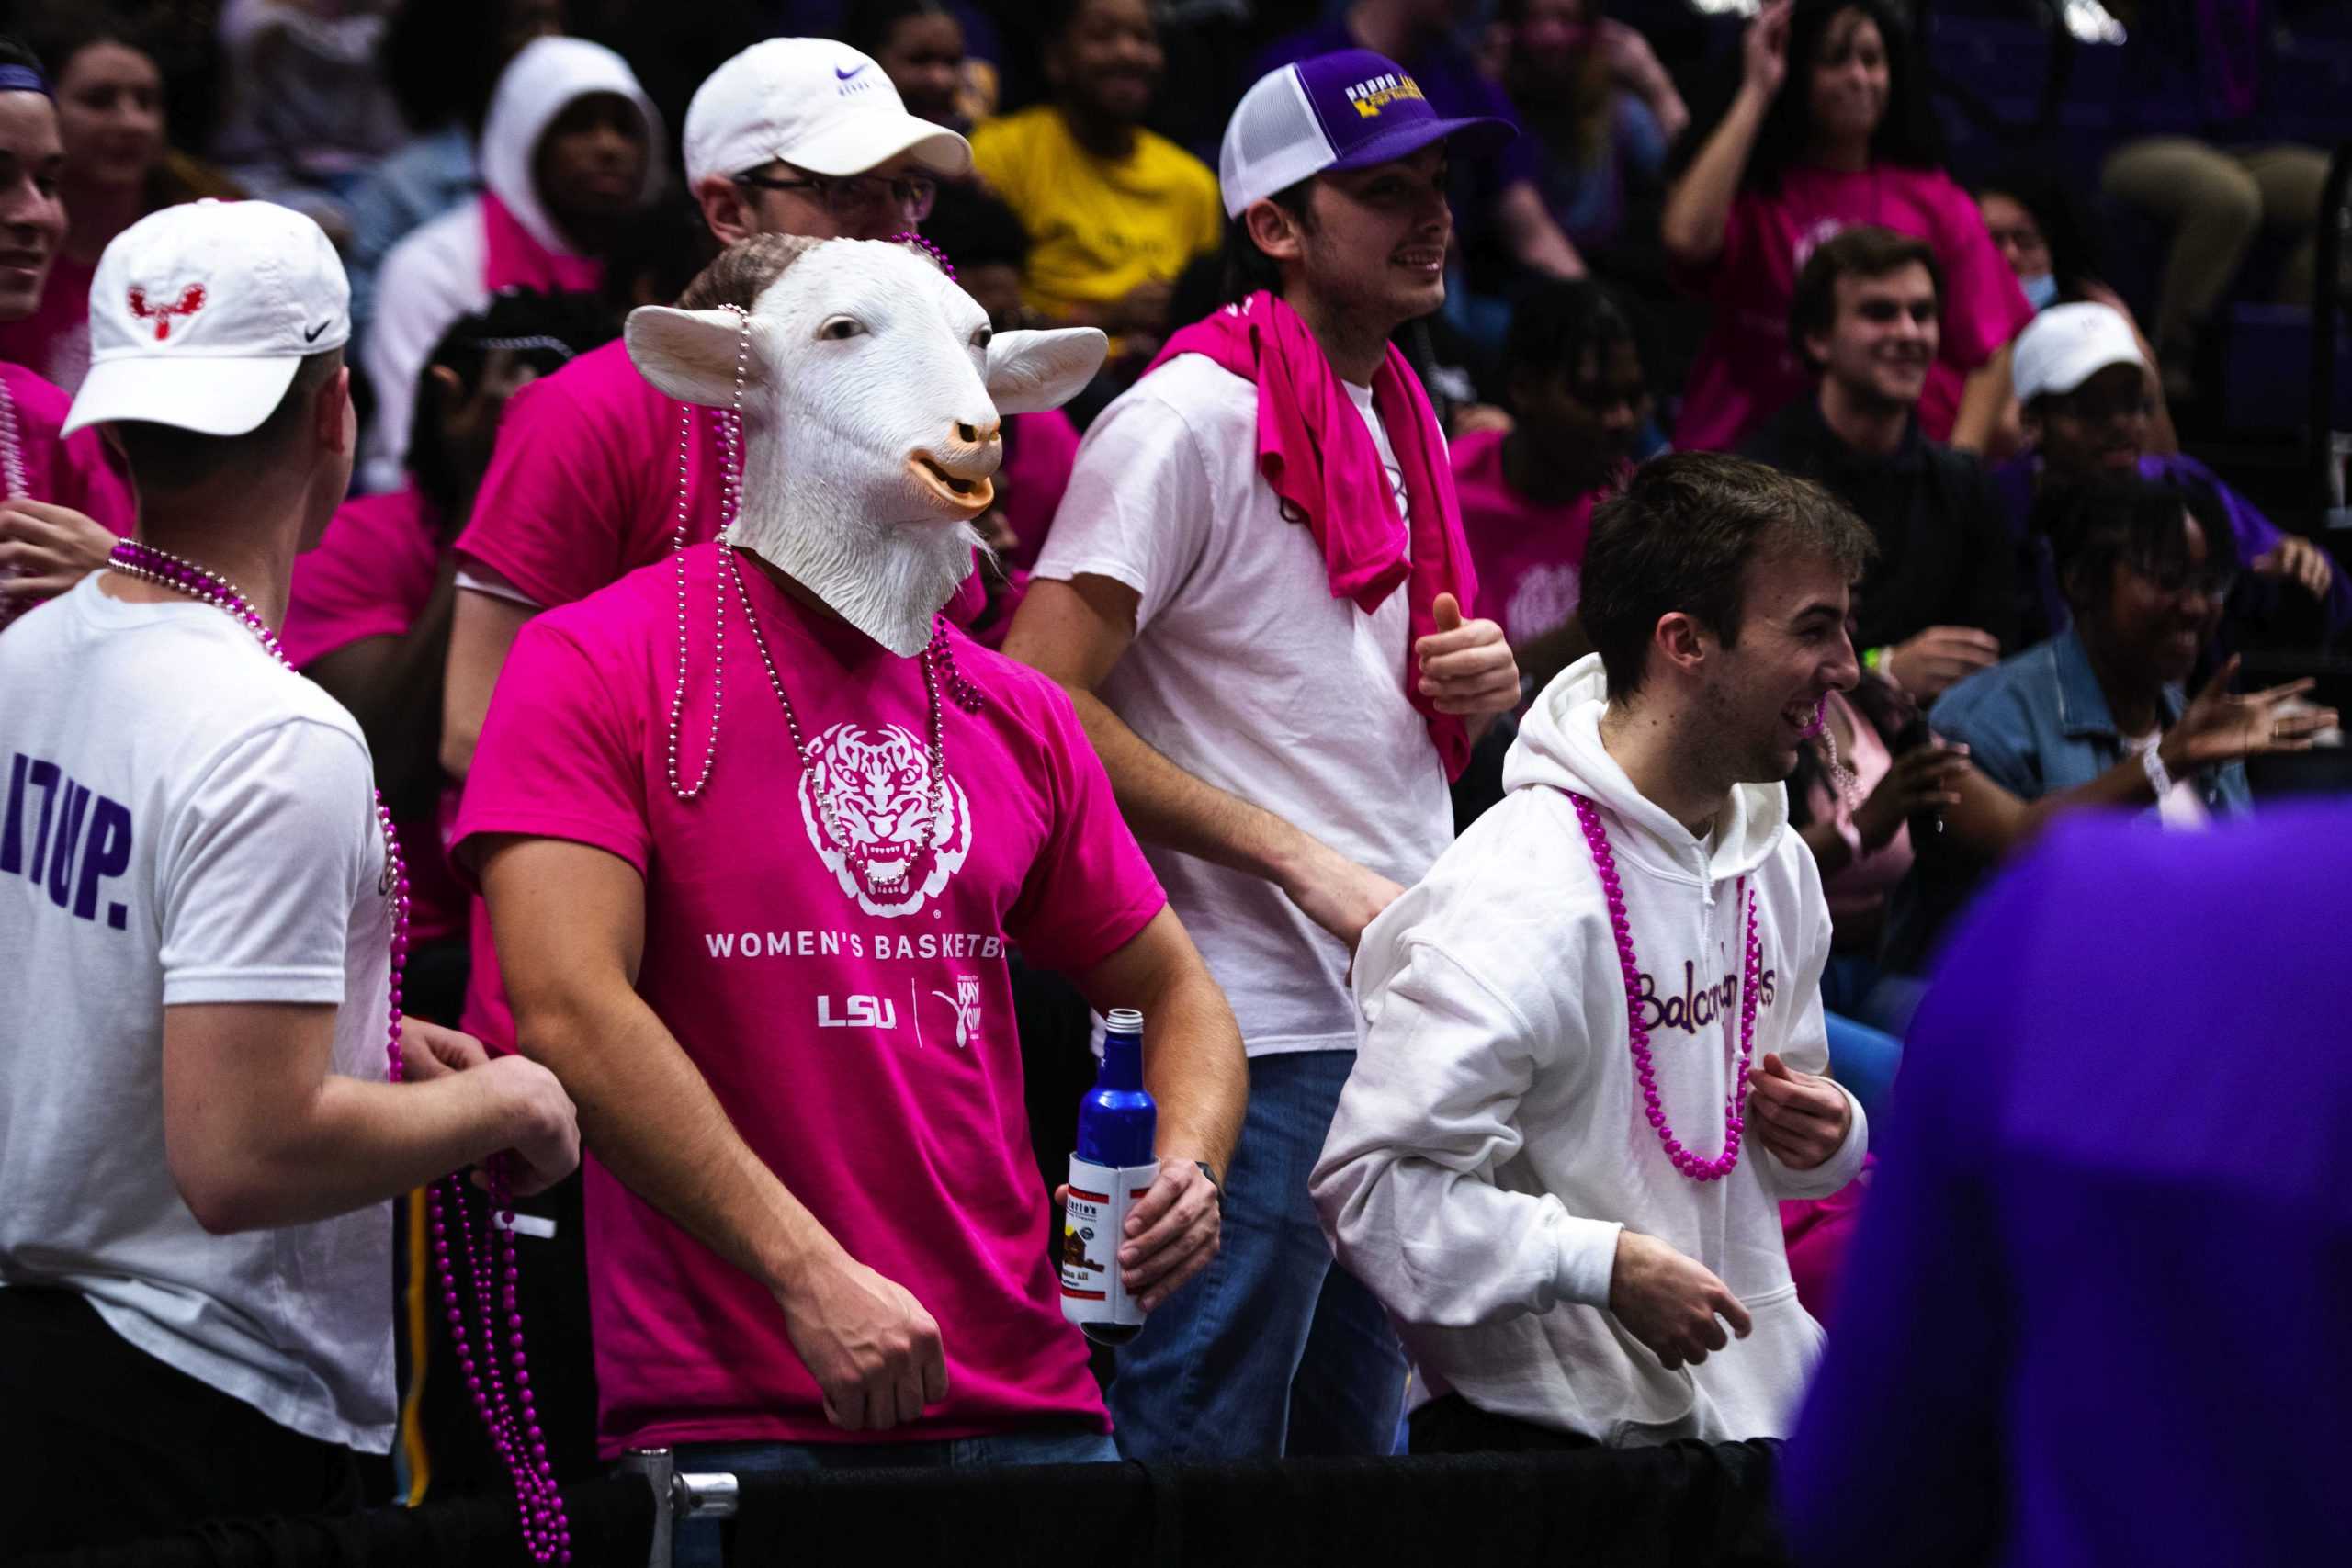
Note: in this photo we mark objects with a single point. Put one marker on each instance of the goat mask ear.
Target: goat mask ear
(1030, 372)
(692, 355)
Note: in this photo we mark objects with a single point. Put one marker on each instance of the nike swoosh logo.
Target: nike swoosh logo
(845, 75)
(312, 334)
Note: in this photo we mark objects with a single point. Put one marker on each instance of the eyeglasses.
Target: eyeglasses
(2174, 578)
(912, 193)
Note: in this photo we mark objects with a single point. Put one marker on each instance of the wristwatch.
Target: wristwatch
(1214, 1185)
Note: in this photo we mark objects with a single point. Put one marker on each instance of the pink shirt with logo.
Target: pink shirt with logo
(1747, 370)
(73, 471)
(371, 575)
(582, 488)
(856, 1023)
(1529, 555)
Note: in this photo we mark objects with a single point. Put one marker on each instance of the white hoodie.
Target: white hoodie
(1490, 1145)
(436, 275)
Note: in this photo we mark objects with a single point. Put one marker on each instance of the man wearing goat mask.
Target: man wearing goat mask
(756, 827)
(596, 471)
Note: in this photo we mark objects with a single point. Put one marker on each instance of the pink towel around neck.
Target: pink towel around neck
(512, 259)
(1320, 460)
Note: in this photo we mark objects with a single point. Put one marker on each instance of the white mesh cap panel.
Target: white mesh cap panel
(1272, 141)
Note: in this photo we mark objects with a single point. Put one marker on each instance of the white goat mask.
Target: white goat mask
(871, 393)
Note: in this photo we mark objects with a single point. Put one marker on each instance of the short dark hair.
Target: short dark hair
(1556, 324)
(1679, 537)
(548, 329)
(1865, 250)
(1246, 269)
(2097, 525)
(868, 26)
(166, 458)
(977, 228)
(14, 54)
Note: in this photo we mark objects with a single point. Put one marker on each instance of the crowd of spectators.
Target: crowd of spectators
(1706, 234)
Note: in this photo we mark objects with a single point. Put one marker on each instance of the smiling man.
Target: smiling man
(1592, 1040)
(1255, 589)
(1940, 602)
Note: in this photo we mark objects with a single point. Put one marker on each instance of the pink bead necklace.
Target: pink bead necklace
(12, 474)
(1605, 860)
(509, 1416)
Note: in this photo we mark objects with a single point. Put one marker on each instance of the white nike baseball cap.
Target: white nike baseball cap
(812, 103)
(2068, 344)
(199, 315)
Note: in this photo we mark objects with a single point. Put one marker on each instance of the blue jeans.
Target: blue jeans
(1870, 1010)
(700, 1543)
(1273, 1349)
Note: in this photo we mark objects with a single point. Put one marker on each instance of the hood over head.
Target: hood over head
(1559, 746)
(544, 79)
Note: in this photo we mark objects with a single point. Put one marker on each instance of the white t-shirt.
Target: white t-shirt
(1248, 674)
(183, 821)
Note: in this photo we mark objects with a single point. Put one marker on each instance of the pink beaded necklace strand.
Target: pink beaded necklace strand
(1605, 860)
(510, 1418)
(12, 474)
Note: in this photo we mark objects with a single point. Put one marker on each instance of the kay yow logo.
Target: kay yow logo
(966, 1003)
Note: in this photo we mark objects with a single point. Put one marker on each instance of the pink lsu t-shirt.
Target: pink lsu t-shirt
(582, 488)
(372, 574)
(858, 1029)
(74, 471)
(1529, 555)
(1747, 370)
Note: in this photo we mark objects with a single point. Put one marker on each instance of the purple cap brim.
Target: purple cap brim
(1478, 133)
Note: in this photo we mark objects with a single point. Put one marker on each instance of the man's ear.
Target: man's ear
(1031, 371)
(1681, 641)
(726, 211)
(1274, 230)
(330, 423)
(693, 354)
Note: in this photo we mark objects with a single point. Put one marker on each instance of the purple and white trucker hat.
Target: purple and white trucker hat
(1344, 110)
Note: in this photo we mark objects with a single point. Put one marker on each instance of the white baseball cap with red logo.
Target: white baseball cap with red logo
(200, 313)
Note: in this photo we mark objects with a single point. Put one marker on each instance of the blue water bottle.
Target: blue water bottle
(1113, 1167)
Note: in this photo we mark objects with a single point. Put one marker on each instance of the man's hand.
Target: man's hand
(874, 1351)
(1801, 1118)
(45, 549)
(2221, 727)
(546, 1125)
(1172, 1235)
(1670, 1303)
(1938, 656)
(1340, 896)
(429, 1051)
(1922, 779)
(1466, 666)
(2296, 558)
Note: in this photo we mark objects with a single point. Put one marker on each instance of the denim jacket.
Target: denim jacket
(2034, 724)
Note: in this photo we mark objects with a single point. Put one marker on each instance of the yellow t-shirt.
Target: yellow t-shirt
(1097, 229)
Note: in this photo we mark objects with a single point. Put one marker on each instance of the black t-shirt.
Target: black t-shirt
(1945, 556)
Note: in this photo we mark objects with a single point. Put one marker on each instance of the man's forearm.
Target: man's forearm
(1167, 807)
(648, 1115)
(1196, 1069)
(354, 1143)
